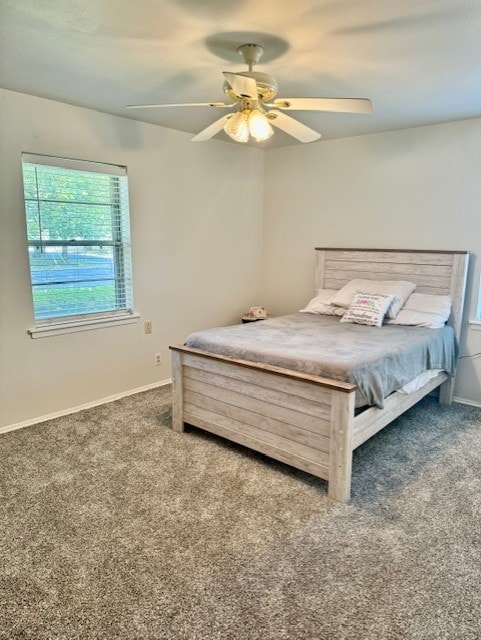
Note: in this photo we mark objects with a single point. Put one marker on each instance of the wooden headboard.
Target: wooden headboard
(434, 272)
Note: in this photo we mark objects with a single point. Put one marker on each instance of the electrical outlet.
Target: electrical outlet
(158, 359)
(148, 327)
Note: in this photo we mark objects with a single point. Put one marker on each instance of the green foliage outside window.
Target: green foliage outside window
(78, 235)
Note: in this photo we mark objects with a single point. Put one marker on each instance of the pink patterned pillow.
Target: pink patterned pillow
(368, 308)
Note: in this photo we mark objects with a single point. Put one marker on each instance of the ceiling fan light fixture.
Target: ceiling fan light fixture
(259, 127)
(237, 127)
(254, 93)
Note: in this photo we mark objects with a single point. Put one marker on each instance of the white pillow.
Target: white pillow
(368, 308)
(399, 289)
(424, 310)
(322, 304)
(429, 303)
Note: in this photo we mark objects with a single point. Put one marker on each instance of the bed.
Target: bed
(291, 414)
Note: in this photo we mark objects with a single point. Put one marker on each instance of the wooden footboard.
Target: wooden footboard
(305, 420)
(300, 419)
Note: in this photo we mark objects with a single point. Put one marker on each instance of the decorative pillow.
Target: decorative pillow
(322, 304)
(368, 308)
(399, 289)
(424, 310)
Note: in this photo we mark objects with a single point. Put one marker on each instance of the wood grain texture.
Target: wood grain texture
(261, 366)
(434, 272)
(372, 420)
(258, 392)
(177, 392)
(304, 420)
(277, 453)
(229, 369)
(340, 454)
(258, 405)
(273, 440)
(313, 439)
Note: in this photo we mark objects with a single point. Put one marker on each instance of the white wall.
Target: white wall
(196, 218)
(203, 215)
(417, 188)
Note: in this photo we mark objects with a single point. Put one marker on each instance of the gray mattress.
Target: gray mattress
(379, 360)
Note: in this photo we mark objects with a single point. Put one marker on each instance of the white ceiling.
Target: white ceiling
(418, 60)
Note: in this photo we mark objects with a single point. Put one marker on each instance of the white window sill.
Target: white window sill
(475, 324)
(82, 324)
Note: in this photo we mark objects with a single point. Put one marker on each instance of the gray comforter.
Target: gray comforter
(379, 360)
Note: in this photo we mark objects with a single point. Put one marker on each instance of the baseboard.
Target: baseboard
(471, 403)
(88, 405)
(131, 392)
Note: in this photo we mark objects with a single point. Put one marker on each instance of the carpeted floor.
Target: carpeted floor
(114, 526)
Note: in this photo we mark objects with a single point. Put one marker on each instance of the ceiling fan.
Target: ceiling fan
(254, 94)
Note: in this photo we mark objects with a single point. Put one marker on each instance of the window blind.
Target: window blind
(78, 237)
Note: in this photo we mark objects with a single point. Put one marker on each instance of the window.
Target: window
(477, 321)
(78, 240)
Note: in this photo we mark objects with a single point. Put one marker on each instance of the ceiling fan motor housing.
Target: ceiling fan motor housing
(266, 86)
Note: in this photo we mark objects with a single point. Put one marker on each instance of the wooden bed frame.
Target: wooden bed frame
(304, 420)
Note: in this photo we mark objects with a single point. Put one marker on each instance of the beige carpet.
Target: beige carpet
(113, 526)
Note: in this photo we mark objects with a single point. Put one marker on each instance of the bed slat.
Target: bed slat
(372, 420)
(393, 256)
(388, 271)
(309, 438)
(442, 281)
(271, 381)
(273, 439)
(280, 442)
(288, 457)
(330, 283)
(278, 398)
(431, 270)
(302, 420)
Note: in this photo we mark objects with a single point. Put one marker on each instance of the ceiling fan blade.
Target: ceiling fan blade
(210, 131)
(243, 86)
(293, 127)
(415, 19)
(347, 105)
(180, 104)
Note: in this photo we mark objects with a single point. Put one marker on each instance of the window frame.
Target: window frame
(122, 279)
